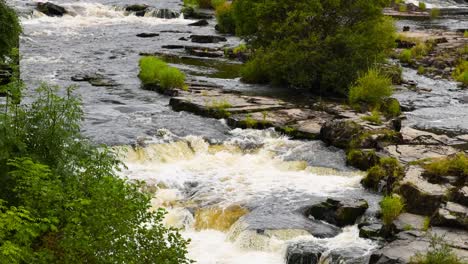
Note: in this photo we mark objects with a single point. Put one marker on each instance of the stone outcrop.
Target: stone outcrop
(94, 79)
(421, 197)
(407, 221)
(340, 212)
(340, 133)
(452, 215)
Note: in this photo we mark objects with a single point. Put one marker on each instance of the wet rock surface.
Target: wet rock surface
(338, 212)
(95, 79)
(302, 253)
(51, 9)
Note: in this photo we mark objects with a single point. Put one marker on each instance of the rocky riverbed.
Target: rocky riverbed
(217, 156)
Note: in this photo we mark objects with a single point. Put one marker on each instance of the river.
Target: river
(205, 174)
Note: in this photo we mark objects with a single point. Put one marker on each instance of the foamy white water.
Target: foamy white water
(245, 172)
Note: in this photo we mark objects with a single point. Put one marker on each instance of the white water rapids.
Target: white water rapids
(208, 188)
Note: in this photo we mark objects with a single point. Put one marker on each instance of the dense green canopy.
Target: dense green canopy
(321, 45)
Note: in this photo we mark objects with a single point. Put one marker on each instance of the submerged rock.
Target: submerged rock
(147, 35)
(94, 79)
(338, 212)
(50, 9)
(207, 39)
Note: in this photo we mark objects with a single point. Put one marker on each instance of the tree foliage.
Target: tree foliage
(61, 200)
(9, 30)
(318, 44)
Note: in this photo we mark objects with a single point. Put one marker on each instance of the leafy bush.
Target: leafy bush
(61, 200)
(254, 71)
(225, 18)
(439, 252)
(391, 107)
(421, 49)
(305, 43)
(9, 30)
(460, 73)
(391, 207)
(371, 89)
(406, 56)
(155, 72)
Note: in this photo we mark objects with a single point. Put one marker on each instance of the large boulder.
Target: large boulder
(50, 9)
(307, 252)
(340, 133)
(338, 212)
(421, 197)
(374, 231)
(452, 215)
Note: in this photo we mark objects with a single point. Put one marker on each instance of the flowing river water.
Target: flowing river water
(206, 175)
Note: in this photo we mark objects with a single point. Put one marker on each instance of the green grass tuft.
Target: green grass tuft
(391, 207)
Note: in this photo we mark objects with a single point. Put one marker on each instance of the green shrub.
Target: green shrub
(253, 71)
(170, 78)
(290, 49)
(421, 69)
(249, 121)
(371, 89)
(439, 252)
(435, 13)
(240, 49)
(388, 171)
(219, 108)
(391, 207)
(374, 117)
(456, 165)
(460, 73)
(155, 72)
(393, 71)
(225, 18)
(61, 200)
(150, 69)
(9, 30)
(406, 56)
(420, 50)
(422, 6)
(391, 107)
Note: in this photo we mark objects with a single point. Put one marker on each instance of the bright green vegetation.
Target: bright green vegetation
(391, 207)
(435, 13)
(306, 43)
(421, 69)
(155, 72)
(465, 34)
(240, 49)
(439, 252)
(422, 6)
(406, 56)
(9, 30)
(61, 200)
(456, 165)
(388, 170)
(391, 107)
(374, 117)
(219, 107)
(460, 73)
(250, 122)
(225, 18)
(421, 49)
(370, 89)
(427, 223)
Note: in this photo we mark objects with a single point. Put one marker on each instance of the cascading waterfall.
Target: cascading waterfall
(211, 190)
